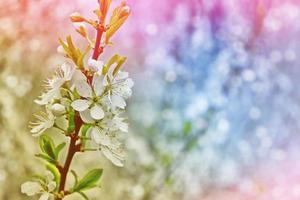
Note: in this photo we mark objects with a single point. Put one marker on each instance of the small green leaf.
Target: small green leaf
(59, 148)
(53, 169)
(46, 157)
(83, 130)
(71, 118)
(47, 146)
(90, 180)
(83, 195)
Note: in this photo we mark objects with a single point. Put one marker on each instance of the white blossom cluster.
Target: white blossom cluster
(99, 98)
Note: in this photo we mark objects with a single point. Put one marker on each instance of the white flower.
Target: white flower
(119, 87)
(105, 133)
(63, 74)
(91, 99)
(109, 145)
(45, 121)
(31, 188)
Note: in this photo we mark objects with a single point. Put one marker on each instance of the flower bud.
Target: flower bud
(77, 17)
(95, 65)
(65, 102)
(125, 10)
(60, 50)
(119, 16)
(58, 109)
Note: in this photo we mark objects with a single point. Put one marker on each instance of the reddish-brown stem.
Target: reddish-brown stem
(73, 149)
(97, 49)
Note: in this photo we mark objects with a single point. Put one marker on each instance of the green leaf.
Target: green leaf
(47, 146)
(90, 180)
(83, 195)
(46, 158)
(59, 148)
(53, 169)
(71, 118)
(83, 130)
(187, 128)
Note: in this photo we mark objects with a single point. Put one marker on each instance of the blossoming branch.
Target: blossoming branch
(85, 101)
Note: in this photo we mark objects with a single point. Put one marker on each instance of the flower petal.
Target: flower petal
(97, 112)
(47, 97)
(86, 116)
(68, 70)
(121, 75)
(45, 196)
(51, 186)
(56, 83)
(99, 136)
(80, 104)
(37, 129)
(49, 176)
(114, 158)
(31, 188)
(129, 82)
(83, 89)
(77, 76)
(95, 135)
(123, 126)
(98, 84)
(105, 80)
(118, 101)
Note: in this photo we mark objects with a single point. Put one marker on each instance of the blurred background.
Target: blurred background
(215, 108)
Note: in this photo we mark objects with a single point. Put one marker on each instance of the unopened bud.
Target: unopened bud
(124, 11)
(95, 65)
(57, 109)
(60, 49)
(77, 17)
